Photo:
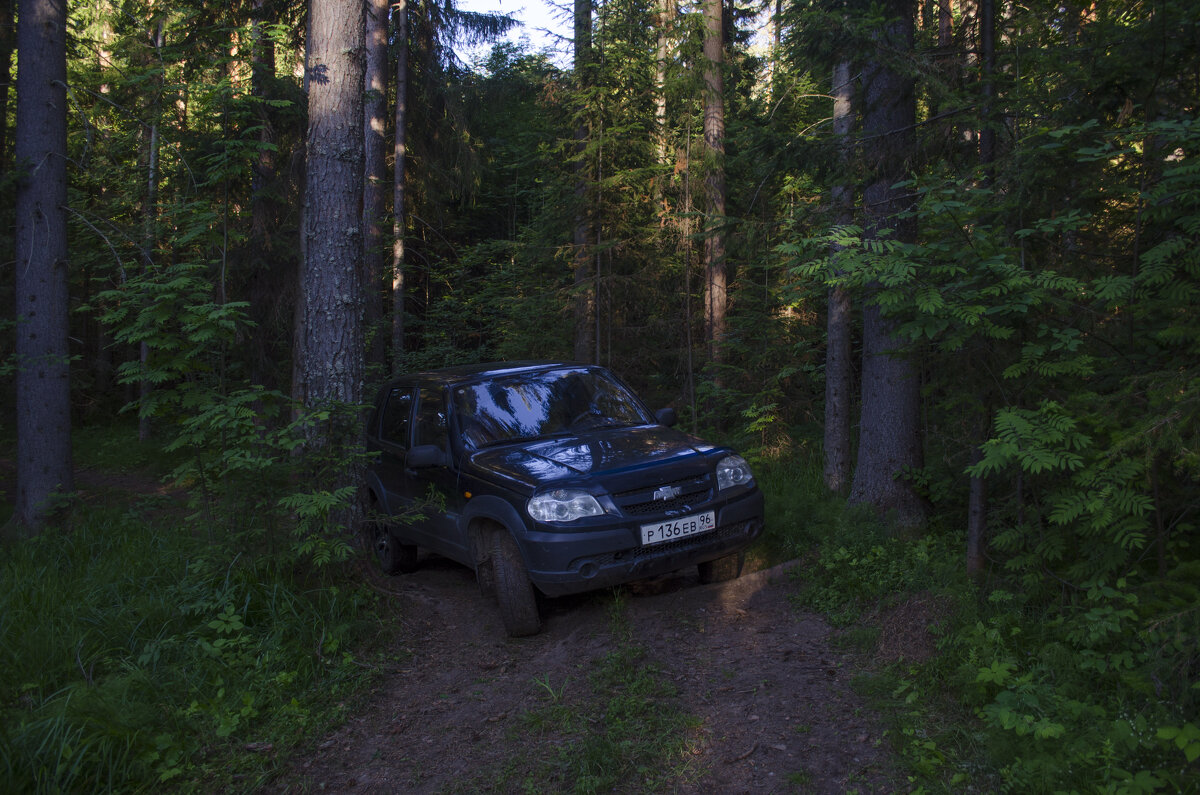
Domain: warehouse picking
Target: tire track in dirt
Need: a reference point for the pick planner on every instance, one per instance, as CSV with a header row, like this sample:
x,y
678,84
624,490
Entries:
x,y
770,697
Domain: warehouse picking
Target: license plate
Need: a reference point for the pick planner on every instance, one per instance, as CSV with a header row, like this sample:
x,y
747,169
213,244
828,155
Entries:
x,y
672,529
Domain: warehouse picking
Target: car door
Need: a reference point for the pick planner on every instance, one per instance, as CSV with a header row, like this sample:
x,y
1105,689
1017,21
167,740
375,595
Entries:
x,y
436,487
395,431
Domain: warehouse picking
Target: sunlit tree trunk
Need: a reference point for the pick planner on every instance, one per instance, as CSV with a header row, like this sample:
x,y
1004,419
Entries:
x,y
889,430
715,283
839,365
332,283
399,173
665,15
375,181
42,355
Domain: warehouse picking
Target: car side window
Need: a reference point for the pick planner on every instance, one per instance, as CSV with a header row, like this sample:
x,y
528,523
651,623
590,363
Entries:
x,y
431,419
396,413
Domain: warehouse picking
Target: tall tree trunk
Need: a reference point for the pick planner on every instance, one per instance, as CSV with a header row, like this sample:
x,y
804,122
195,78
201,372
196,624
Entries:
x,y
776,58
977,520
150,218
987,43
665,14
977,493
587,340
375,181
839,365
889,430
715,283
399,169
43,371
272,274
332,283
299,312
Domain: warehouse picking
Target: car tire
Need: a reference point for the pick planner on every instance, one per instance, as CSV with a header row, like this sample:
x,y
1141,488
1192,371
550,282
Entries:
x,y
393,556
721,569
486,577
515,595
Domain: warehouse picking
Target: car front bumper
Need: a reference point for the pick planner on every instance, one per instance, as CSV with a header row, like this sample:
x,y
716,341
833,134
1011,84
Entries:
x,y
562,563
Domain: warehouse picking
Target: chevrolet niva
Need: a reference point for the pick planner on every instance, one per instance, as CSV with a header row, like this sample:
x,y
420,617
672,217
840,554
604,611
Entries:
x,y
550,478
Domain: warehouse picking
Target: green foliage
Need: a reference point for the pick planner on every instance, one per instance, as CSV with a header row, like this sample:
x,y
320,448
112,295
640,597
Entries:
x,y
134,654
1071,697
1093,694
856,563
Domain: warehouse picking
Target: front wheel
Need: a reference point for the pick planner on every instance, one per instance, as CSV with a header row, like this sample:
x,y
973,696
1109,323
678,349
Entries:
x,y
514,592
721,569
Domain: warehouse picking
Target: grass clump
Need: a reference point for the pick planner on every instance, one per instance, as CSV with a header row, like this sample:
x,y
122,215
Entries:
x,y
142,649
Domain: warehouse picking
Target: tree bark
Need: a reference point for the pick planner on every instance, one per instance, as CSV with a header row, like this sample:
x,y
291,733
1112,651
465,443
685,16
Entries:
x,y
889,430
150,217
332,283
399,169
586,337
987,43
665,14
715,284
43,371
272,274
839,363
375,180
977,500
977,520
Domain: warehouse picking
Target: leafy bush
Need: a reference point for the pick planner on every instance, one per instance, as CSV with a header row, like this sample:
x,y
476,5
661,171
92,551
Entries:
x,y
134,653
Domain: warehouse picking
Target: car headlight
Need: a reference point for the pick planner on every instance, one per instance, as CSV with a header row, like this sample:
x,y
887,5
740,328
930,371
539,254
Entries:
x,y
733,471
563,505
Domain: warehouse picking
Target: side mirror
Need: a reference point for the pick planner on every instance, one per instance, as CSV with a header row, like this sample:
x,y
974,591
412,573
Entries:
x,y
424,456
666,416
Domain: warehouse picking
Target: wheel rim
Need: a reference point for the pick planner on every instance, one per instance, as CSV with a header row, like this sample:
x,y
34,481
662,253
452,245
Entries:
x,y
383,544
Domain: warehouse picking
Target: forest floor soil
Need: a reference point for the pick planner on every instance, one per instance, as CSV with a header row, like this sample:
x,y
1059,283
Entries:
x,y
766,693
458,707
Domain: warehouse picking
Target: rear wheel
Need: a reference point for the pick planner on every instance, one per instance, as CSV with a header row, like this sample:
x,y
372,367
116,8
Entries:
x,y
721,569
393,556
514,592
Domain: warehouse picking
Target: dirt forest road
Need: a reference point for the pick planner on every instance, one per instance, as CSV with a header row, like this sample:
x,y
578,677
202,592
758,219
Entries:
x,y
765,701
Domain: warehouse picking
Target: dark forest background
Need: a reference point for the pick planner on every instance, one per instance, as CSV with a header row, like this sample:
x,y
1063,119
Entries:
x,y
933,266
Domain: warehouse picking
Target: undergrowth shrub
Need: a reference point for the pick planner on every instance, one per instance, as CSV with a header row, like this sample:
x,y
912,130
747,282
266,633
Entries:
x,y
134,653
1093,692
1073,696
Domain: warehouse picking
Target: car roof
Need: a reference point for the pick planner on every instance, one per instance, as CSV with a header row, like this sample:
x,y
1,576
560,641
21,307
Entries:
x,y
472,372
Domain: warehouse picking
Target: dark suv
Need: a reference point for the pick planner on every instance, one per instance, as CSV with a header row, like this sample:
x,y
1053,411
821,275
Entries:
x,y
550,477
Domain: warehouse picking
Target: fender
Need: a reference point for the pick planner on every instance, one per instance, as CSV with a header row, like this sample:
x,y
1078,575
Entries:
x,y
490,508
375,488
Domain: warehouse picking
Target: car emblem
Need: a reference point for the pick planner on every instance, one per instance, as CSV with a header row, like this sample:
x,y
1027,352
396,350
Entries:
x,y
667,493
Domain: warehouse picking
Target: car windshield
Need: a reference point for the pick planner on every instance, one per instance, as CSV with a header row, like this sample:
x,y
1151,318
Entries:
x,y
533,405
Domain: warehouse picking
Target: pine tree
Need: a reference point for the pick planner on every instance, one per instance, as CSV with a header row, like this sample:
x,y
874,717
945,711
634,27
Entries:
x,y
42,355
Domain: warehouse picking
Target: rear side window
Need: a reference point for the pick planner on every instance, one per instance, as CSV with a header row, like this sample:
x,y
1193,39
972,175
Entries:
x,y
431,419
396,414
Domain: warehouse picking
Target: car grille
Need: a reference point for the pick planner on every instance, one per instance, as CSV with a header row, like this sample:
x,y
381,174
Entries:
x,y
693,491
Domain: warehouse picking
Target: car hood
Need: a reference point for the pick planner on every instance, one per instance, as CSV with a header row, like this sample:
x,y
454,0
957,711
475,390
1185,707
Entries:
x,y
591,455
